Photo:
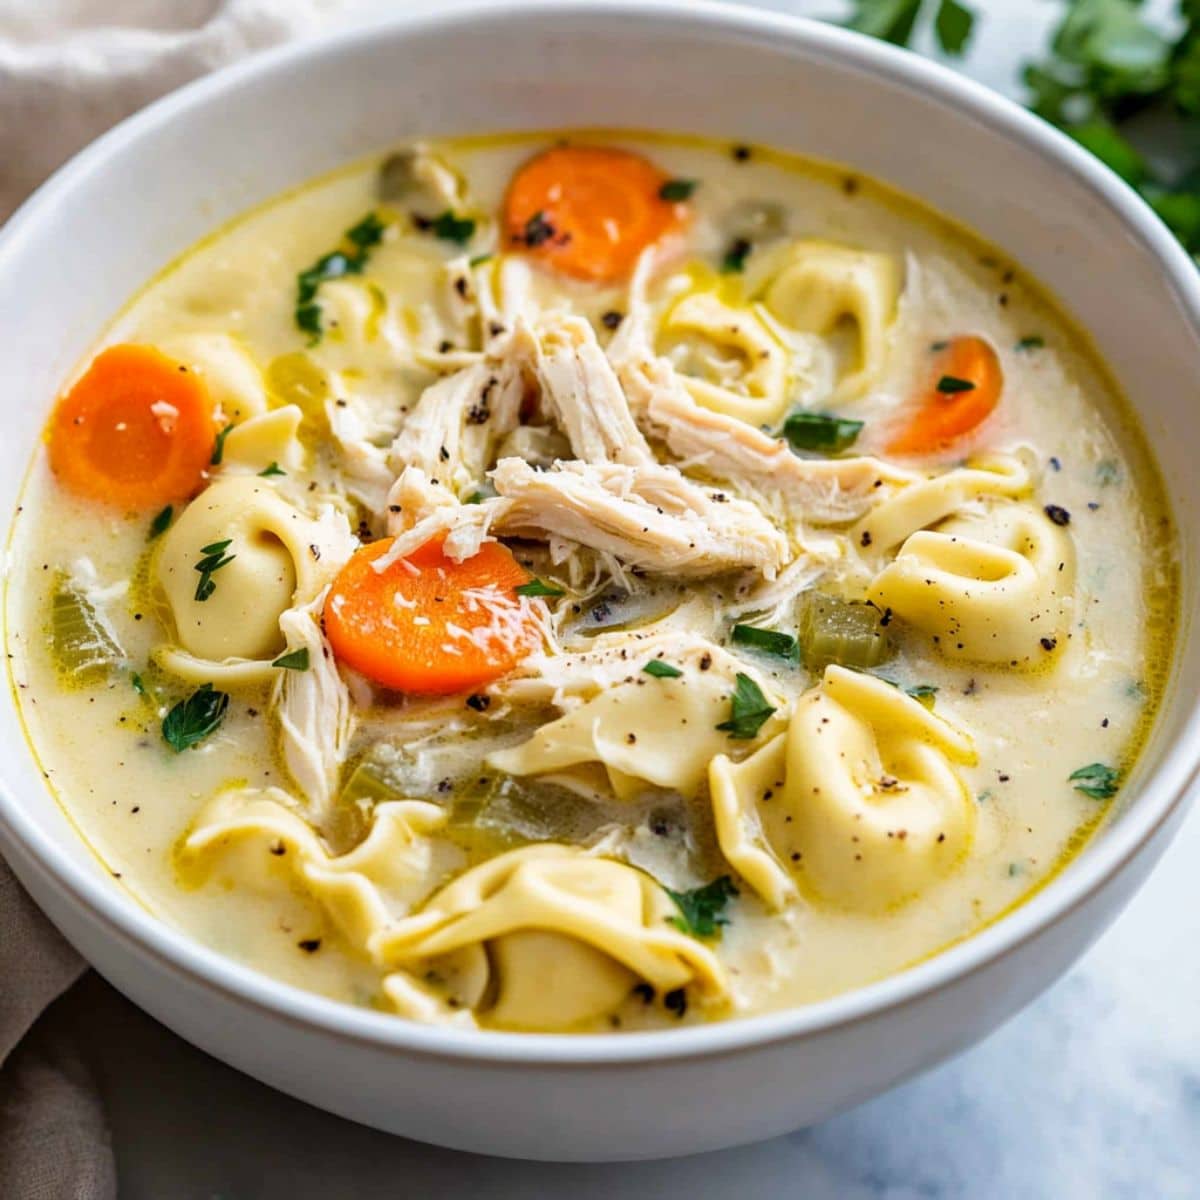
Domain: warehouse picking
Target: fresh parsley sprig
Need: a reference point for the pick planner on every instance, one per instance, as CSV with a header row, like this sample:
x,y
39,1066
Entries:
x,y
702,910
194,719
1096,780
749,710
214,559
349,259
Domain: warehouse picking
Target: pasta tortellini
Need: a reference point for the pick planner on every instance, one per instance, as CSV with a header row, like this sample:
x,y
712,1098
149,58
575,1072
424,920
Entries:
x,y
268,441
255,839
273,556
861,798
822,285
646,730
232,378
547,937
736,366
993,586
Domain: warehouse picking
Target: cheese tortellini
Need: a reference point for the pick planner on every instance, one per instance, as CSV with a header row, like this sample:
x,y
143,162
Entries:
x,y
645,730
822,285
987,587
274,556
230,375
861,798
546,937
987,576
736,364
255,839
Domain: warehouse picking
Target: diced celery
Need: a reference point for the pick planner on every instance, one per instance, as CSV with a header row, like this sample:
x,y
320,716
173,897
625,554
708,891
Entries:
x,y
84,648
844,632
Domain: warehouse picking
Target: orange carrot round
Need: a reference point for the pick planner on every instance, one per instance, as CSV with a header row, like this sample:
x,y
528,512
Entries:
x,y
428,625
136,430
588,211
964,390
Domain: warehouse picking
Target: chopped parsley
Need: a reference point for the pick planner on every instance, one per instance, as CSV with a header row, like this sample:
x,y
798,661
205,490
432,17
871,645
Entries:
x,y
769,641
535,587
749,710
1096,780
923,693
294,660
951,385
218,452
661,670
1032,342
447,227
735,257
193,719
358,241
676,190
135,682
214,559
273,469
821,431
702,910
161,523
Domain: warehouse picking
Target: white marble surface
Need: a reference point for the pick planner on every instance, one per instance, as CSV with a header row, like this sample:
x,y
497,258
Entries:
x,y
1093,1093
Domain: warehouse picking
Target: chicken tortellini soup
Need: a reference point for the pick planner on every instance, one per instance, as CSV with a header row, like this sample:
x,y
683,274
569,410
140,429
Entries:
x,y
575,583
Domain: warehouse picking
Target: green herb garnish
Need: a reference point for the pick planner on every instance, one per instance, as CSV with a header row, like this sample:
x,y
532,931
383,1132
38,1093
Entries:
x,y
478,259
218,452
702,910
661,670
214,559
1032,342
535,587
676,190
951,385
448,227
135,682
273,469
924,693
735,257
820,431
161,523
749,710
294,660
1096,780
193,719
769,641
358,242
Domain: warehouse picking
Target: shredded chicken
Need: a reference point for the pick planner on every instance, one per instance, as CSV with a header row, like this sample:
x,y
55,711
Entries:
x,y
420,509
649,517
451,433
584,395
316,718
821,491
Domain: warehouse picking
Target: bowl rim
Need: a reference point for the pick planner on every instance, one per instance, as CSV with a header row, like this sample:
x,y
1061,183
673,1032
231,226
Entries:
x,y
1156,801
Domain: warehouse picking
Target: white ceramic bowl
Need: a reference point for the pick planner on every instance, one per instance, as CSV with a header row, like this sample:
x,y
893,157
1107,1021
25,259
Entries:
x,y
130,203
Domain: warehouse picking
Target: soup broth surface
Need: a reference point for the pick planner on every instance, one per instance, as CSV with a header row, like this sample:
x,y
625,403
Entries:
x,y
865,504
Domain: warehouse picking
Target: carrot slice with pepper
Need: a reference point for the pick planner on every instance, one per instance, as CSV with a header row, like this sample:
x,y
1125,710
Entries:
x,y
966,386
589,211
428,625
136,430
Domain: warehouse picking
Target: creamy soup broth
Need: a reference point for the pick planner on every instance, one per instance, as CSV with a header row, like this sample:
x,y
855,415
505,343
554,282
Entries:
x,y
960,624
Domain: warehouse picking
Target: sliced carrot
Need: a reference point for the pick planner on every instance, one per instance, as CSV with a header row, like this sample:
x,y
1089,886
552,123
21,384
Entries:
x,y
136,430
589,211
428,625
964,389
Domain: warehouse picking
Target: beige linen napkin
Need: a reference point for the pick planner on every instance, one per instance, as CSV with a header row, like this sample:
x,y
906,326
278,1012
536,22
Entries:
x,y
68,70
